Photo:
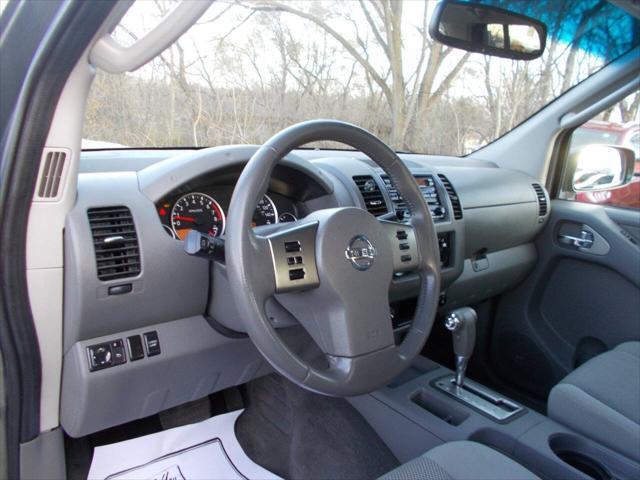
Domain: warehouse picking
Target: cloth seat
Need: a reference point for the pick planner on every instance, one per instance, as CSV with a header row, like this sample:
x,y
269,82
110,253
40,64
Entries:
x,y
601,399
460,461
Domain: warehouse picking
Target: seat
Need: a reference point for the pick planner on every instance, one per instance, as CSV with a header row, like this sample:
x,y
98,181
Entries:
x,y
601,399
460,461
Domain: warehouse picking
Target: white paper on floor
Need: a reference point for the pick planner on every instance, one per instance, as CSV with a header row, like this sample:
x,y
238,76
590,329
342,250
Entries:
x,y
204,450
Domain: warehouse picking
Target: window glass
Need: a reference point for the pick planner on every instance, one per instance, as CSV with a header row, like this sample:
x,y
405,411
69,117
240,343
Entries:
x,y
249,69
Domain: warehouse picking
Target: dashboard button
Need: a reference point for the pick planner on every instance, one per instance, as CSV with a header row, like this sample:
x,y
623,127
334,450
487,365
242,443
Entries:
x,y
120,289
136,351
118,354
152,343
100,356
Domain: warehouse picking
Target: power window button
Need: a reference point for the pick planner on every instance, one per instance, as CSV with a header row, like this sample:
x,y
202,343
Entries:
x,y
152,343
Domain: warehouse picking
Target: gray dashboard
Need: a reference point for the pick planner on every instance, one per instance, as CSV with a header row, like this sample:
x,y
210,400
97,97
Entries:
x,y
488,221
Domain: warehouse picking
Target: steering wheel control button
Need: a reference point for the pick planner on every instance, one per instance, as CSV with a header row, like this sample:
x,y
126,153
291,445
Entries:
x,y
401,235
405,258
100,356
296,274
120,289
404,246
297,260
360,252
292,246
136,350
152,343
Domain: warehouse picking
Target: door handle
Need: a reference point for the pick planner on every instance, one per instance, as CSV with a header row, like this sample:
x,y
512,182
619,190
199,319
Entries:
x,y
585,240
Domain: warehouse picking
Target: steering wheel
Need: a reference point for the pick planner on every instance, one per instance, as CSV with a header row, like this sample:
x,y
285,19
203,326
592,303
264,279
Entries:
x,y
332,270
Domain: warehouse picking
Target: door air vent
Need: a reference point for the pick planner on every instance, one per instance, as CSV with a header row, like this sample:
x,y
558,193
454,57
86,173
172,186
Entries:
x,y
371,194
51,174
115,242
453,196
542,199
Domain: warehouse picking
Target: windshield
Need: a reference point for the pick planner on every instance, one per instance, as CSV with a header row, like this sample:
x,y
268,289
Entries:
x,y
249,69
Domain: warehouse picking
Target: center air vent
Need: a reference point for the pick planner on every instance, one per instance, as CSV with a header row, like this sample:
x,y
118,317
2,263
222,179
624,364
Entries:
x,y
453,196
371,194
115,242
542,199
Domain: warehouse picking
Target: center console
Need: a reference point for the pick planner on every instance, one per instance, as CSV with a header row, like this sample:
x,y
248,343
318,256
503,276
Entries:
x,y
428,405
427,185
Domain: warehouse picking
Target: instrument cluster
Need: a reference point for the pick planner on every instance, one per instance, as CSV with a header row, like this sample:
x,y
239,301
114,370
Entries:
x,y
205,211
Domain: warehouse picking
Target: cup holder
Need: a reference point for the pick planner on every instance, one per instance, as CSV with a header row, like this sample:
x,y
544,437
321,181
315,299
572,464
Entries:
x,y
578,454
586,465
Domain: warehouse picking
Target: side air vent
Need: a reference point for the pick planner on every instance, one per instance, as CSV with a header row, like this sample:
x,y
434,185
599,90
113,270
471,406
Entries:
x,y
51,174
115,242
453,196
542,199
371,194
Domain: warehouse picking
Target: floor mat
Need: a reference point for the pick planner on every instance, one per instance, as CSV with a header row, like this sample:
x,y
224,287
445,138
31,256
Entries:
x,y
204,450
298,434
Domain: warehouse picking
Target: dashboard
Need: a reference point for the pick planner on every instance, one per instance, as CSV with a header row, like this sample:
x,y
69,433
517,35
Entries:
x,y
166,319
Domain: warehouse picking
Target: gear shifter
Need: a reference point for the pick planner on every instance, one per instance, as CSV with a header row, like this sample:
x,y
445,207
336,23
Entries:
x,y
462,325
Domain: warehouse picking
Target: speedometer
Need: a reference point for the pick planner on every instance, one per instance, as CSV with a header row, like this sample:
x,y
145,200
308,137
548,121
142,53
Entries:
x,y
265,213
197,211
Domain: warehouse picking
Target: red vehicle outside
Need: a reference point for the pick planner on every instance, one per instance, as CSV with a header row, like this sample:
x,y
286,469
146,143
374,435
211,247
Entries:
x,y
610,133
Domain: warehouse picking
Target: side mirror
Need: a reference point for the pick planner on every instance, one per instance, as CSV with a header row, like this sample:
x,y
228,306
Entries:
x,y
602,167
489,30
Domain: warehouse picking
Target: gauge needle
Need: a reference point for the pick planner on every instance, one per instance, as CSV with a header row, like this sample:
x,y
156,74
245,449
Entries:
x,y
184,219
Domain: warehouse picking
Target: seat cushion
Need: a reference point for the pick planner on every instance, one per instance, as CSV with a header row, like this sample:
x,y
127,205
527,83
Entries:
x,y
460,461
601,399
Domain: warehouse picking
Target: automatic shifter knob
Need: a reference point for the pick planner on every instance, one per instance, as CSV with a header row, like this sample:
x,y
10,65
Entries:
x,y
462,325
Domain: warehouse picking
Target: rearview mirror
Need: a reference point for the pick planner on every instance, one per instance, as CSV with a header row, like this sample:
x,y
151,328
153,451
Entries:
x,y
602,167
489,30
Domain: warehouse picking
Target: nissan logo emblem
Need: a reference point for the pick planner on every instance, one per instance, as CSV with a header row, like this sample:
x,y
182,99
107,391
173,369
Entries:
x,y
360,252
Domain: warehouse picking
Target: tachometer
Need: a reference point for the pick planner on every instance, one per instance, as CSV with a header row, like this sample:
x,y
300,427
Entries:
x,y
266,212
197,211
